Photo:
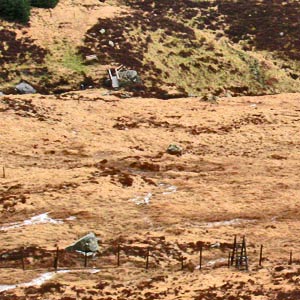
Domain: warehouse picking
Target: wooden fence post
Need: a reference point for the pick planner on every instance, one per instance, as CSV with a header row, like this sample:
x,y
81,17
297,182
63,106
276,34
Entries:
x,y
291,258
147,258
245,253
118,255
233,251
85,259
182,262
261,255
56,259
229,259
22,258
200,257
3,172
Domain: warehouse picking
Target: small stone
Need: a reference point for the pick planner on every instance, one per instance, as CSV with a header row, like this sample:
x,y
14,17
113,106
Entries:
x,y
7,204
92,57
102,31
210,98
215,245
174,149
111,43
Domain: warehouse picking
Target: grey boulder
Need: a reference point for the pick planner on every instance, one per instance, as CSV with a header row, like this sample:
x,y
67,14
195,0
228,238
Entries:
x,y
88,243
129,76
25,88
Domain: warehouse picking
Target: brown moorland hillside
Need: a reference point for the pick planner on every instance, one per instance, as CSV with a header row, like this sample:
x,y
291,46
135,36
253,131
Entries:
x,y
98,163
91,161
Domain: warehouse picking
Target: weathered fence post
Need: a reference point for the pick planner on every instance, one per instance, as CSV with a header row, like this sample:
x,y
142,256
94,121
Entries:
x,y
3,172
147,258
182,262
233,251
245,253
85,255
291,258
261,255
229,259
118,255
55,265
22,258
200,257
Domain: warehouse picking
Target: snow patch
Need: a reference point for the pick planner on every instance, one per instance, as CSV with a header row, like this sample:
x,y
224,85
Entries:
x,y
42,279
39,219
227,223
140,200
145,200
215,262
170,190
37,281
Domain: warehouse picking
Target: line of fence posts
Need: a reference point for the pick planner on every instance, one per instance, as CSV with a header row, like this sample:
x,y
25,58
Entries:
x,y
118,254
232,256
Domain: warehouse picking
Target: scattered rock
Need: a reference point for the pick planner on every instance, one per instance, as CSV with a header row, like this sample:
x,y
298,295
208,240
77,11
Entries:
x,y
278,157
88,243
91,58
174,149
25,88
7,204
125,180
215,245
278,268
111,43
102,31
210,98
130,76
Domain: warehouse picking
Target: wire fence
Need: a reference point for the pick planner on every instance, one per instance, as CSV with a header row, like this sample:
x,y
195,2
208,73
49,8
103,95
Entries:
x,y
190,256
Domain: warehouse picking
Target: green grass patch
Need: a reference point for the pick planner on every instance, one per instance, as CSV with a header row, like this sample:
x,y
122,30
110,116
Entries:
x,y
73,61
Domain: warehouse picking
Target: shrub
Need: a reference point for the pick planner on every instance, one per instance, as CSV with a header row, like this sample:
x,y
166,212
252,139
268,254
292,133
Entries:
x,y
15,10
44,3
